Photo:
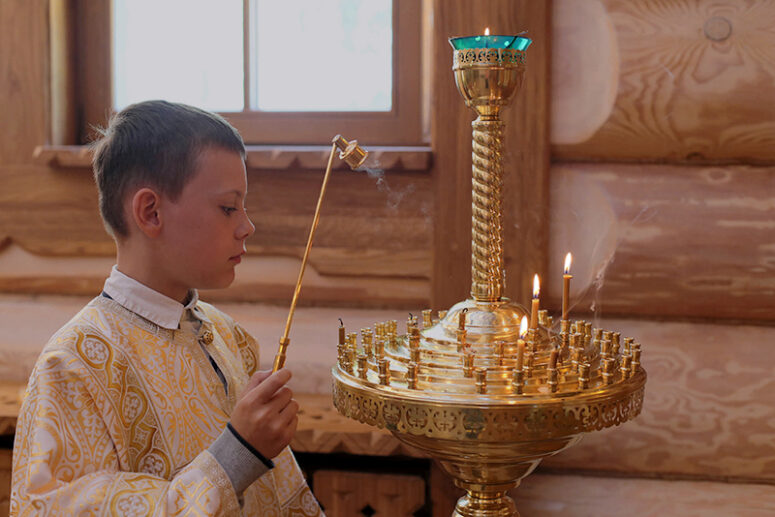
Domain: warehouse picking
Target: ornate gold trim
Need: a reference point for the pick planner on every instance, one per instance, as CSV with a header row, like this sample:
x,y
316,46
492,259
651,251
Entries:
x,y
517,421
488,57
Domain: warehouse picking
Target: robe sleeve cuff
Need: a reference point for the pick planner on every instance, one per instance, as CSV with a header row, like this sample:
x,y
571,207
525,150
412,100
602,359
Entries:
x,y
241,462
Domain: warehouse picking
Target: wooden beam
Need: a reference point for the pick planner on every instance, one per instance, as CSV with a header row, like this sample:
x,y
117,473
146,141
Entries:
x,y
24,89
94,61
665,240
669,81
526,150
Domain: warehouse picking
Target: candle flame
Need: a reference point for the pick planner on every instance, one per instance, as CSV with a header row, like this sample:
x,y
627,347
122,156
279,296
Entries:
x,y
568,260
523,327
487,31
536,286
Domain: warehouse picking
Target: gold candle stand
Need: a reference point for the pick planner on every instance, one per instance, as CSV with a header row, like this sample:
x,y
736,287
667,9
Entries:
x,y
466,390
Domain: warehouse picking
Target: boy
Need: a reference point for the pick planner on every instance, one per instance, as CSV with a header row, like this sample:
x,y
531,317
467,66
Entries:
x,y
148,401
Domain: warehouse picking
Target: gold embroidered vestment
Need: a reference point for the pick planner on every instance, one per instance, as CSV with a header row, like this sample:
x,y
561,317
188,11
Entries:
x,y
119,414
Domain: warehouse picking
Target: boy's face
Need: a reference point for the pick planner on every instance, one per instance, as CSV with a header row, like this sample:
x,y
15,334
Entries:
x,y
204,231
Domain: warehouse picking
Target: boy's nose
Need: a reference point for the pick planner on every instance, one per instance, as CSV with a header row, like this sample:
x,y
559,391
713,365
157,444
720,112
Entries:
x,y
247,228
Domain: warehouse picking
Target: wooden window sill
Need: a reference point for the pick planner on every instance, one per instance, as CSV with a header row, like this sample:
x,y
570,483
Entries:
x,y
276,157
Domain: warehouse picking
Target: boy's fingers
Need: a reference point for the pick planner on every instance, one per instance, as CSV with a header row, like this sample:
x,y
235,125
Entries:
x,y
271,384
281,397
257,378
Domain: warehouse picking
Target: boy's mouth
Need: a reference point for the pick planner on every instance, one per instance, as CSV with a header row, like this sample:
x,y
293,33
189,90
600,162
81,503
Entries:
x,y
237,258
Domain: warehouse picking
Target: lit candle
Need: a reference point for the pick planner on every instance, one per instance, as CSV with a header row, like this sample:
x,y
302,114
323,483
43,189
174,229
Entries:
x,y
523,328
341,332
520,354
487,31
521,343
566,286
534,308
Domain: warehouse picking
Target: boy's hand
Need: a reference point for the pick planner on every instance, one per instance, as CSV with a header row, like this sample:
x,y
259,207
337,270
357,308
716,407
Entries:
x,y
265,414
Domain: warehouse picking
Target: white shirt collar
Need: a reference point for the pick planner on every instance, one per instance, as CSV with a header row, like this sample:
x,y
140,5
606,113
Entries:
x,y
148,303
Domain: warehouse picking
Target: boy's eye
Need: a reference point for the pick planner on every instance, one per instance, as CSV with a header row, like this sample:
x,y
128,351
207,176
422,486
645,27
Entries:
x,y
228,210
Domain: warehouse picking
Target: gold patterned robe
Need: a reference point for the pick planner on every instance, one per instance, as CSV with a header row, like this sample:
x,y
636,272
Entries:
x,y
118,415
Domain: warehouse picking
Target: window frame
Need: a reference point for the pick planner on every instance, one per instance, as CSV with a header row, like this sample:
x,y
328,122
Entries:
x,y
402,125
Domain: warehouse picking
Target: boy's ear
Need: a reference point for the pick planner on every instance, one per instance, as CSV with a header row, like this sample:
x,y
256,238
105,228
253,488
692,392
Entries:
x,y
144,210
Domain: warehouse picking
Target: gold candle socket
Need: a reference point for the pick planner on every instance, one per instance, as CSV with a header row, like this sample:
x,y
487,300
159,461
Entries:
x,y
426,318
625,368
518,381
461,340
411,376
531,340
553,380
362,367
481,380
584,376
608,371
635,358
383,366
366,340
468,364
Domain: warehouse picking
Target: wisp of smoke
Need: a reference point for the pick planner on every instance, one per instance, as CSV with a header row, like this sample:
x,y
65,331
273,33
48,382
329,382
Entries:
x,y
394,197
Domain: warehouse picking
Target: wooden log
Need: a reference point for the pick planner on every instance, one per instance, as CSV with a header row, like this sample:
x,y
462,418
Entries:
x,y
24,89
666,241
693,81
271,157
371,227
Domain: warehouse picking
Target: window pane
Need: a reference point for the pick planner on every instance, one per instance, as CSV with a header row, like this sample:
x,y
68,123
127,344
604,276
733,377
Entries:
x,y
323,55
187,51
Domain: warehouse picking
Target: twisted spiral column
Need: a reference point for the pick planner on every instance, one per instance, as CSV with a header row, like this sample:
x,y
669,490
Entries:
x,y
487,277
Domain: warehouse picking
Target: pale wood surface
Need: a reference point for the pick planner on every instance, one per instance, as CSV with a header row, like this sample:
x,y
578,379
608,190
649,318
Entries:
x,y
670,241
526,153
694,81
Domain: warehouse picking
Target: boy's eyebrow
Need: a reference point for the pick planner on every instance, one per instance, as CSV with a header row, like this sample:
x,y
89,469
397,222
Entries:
x,y
236,192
